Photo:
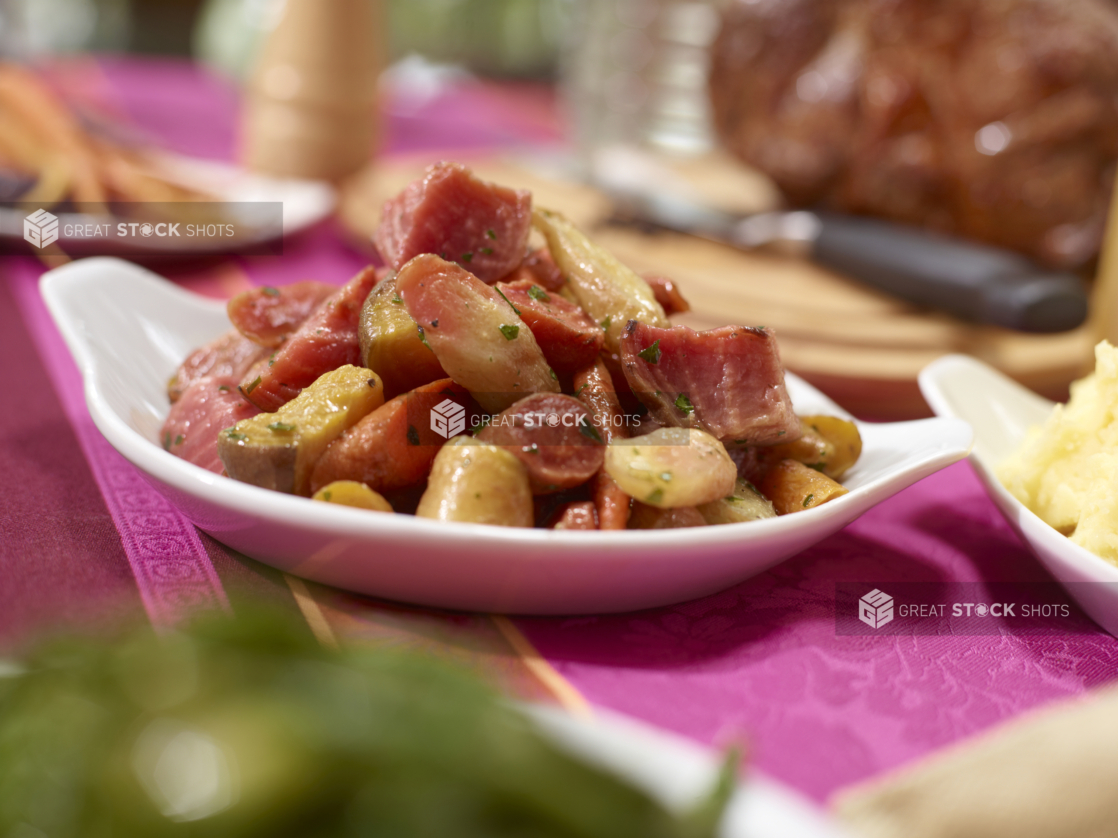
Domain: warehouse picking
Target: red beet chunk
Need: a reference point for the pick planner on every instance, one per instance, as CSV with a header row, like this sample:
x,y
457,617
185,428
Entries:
x,y
207,407
267,316
727,381
231,355
554,436
326,340
451,213
570,340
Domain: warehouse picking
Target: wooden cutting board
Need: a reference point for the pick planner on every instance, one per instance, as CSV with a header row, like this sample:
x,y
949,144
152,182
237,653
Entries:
x,y
861,347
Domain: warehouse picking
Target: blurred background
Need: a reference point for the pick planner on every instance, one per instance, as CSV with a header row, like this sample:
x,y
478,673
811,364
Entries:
x,y
618,59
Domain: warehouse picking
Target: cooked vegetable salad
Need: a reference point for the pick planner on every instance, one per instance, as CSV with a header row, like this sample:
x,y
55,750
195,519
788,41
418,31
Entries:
x,y
476,379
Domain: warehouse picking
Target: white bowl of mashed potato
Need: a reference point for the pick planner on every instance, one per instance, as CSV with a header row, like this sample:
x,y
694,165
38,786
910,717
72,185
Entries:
x,y
1051,469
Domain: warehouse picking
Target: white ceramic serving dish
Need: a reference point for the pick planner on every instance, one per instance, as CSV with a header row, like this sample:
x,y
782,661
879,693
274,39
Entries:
x,y
128,330
305,203
1001,412
678,773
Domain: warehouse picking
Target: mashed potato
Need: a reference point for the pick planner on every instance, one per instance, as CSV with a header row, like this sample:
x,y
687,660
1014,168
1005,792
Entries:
x,y
1066,471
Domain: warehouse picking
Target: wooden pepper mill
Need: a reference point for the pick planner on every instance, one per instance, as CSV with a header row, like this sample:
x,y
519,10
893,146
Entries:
x,y
311,104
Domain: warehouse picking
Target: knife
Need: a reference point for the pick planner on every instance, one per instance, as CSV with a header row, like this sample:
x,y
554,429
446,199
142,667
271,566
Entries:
x,y
972,281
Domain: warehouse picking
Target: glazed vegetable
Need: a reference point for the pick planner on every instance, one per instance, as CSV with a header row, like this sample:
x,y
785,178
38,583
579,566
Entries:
x,y
477,483
279,450
745,504
476,334
594,387
672,467
567,336
248,728
352,493
645,517
390,343
580,515
843,437
607,290
794,487
553,435
393,447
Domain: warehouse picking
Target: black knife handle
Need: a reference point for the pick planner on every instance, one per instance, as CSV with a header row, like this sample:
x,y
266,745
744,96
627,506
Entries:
x,y
971,281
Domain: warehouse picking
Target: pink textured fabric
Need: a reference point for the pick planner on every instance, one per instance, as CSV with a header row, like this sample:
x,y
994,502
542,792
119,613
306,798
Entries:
x,y
819,711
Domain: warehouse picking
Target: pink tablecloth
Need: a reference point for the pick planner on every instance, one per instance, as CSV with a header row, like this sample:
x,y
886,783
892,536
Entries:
x,y
84,541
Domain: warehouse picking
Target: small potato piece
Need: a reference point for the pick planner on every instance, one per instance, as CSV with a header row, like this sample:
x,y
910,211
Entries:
x,y
479,484
672,467
278,450
645,517
794,487
390,343
745,504
352,493
843,436
611,293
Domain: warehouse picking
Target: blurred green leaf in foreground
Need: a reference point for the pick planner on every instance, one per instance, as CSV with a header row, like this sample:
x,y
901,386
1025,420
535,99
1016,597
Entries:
x,y
247,727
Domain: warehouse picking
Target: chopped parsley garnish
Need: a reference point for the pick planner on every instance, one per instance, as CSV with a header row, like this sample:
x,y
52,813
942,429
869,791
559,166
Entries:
x,y
587,429
822,464
167,441
224,388
607,323
808,501
488,251
510,332
255,383
327,495
583,387
423,336
652,353
507,300
281,427
491,234
233,433
537,293
467,257
655,496
781,433
397,299
553,375
684,403
178,440
413,435
476,429
272,359
270,291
